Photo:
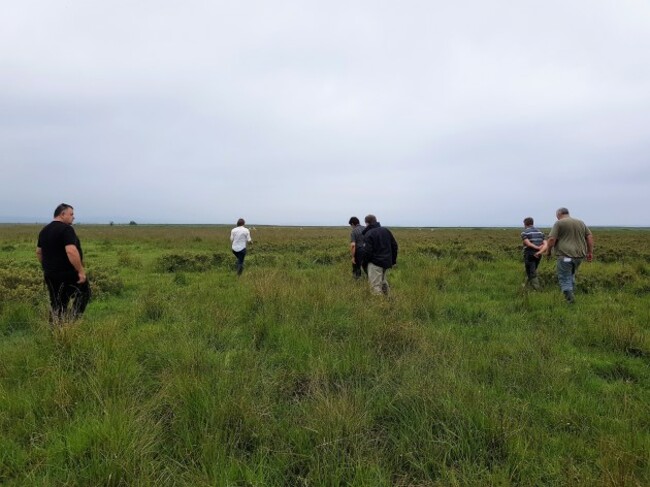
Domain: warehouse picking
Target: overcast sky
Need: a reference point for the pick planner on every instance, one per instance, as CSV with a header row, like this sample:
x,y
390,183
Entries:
x,y
425,113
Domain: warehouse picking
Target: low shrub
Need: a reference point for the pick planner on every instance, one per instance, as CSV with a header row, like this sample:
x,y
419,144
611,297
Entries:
x,y
126,259
21,284
191,262
105,282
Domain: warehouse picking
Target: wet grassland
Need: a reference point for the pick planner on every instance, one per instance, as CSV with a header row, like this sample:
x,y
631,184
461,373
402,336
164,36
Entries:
x,y
294,375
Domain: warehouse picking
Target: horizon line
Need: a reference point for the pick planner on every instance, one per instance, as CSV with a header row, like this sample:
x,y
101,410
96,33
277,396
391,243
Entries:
x,y
295,225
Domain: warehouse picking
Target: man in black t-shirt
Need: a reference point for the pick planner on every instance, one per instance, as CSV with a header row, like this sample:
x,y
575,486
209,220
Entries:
x,y
59,252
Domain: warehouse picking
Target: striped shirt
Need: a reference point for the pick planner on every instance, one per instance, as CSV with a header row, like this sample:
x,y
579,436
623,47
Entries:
x,y
534,236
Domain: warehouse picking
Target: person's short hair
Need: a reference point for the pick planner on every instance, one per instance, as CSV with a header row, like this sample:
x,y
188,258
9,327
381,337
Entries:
x,y
528,221
61,208
354,220
241,222
562,211
371,219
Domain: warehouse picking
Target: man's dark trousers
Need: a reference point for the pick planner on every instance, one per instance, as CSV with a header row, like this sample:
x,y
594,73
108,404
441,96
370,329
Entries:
x,y
62,292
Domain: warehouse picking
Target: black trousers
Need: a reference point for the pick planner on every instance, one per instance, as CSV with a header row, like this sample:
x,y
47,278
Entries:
x,y
530,263
65,294
356,268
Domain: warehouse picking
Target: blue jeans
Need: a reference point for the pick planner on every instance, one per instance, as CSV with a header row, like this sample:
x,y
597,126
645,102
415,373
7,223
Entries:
x,y
566,272
240,260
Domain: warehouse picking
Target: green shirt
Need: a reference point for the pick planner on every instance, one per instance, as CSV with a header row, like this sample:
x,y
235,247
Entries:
x,y
571,235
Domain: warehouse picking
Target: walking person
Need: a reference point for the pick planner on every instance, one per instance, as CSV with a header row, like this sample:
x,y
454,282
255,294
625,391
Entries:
x,y
240,236
571,242
532,239
61,257
379,253
356,247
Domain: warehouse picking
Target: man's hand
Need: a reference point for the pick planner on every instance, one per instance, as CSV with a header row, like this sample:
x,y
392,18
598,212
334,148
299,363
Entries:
x,y
75,260
590,257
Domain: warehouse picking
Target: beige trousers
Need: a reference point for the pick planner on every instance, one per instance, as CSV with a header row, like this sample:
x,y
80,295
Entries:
x,y
377,279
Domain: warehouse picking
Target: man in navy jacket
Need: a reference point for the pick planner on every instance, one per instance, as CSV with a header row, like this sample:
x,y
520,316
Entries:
x,y
380,254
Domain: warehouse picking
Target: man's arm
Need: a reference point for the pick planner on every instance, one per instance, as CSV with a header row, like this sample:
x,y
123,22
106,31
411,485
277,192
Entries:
x,y
546,247
531,245
75,260
590,247
353,249
39,254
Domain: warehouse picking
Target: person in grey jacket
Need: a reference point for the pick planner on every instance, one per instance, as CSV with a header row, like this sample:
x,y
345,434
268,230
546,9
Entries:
x,y
356,247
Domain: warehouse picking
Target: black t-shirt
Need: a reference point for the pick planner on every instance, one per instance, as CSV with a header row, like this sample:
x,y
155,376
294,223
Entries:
x,y
52,241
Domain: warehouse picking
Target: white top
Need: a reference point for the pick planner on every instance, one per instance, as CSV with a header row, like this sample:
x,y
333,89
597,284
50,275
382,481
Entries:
x,y
239,236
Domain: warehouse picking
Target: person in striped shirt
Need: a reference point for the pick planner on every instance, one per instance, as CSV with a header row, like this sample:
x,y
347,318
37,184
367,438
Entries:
x,y
532,239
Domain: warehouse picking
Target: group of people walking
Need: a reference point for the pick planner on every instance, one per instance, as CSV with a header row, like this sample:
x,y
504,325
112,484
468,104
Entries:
x,y
570,241
373,249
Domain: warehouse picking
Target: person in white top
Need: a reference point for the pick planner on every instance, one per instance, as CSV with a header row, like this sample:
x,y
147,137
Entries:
x,y
240,236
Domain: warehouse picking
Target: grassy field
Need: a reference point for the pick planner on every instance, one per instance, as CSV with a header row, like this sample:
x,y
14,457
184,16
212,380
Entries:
x,y
294,375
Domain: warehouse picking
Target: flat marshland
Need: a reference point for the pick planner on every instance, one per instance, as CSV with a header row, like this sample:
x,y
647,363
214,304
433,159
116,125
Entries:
x,y
294,375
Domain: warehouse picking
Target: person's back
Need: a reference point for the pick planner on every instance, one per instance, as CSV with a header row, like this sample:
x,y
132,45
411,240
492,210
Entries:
x,y
572,242
357,237
59,252
532,240
357,241
240,236
380,254
380,246
52,240
571,235
534,236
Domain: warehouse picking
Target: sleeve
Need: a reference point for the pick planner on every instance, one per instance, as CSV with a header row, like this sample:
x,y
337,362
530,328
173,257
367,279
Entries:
x,y
394,248
69,236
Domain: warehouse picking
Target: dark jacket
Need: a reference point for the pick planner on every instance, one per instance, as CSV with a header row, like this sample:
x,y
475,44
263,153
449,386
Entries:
x,y
380,246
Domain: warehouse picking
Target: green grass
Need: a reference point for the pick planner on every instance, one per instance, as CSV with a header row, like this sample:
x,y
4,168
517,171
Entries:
x,y
295,375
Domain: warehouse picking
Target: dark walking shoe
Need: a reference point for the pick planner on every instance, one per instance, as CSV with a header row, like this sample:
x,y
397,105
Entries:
x,y
569,297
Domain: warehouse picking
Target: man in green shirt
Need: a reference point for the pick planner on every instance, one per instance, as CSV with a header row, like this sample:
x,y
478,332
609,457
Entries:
x,y
571,242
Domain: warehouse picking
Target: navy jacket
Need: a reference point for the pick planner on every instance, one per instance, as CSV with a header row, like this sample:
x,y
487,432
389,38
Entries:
x,y
380,246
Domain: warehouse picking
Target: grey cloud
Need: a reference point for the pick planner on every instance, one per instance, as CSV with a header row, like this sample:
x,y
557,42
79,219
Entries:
x,y
426,113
